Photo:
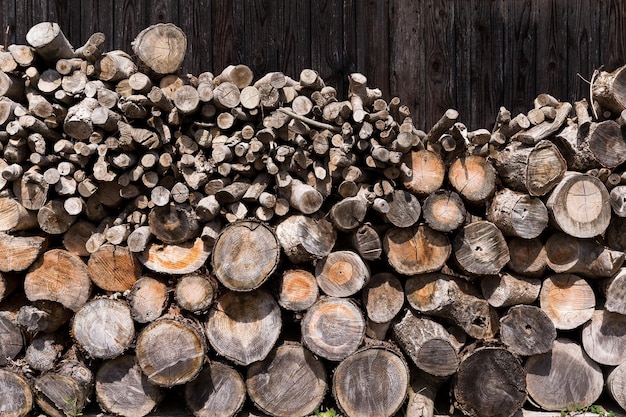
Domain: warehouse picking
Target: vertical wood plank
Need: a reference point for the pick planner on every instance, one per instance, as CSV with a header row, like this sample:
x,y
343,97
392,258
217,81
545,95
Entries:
x,y
439,59
326,43
377,45
406,57
27,14
519,56
227,33
7,20
162,11
613,33
129,18
196,22
583,44
294,36
260,36
551,63
97,16
352,42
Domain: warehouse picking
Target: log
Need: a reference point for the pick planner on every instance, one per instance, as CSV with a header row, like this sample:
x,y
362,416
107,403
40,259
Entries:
x,y
174,223
44,351
43,316
218,391
544,130
59,395
618,200
14,216
404,209
244,326
298,290
178,259
473,177
77,123
568,300
527,330
480,249
614,291
427,343
366,241
383,297
170,351
444,211
244,255
122,389
602,338
423,390
341,274
53,219
49,42
371,382
585,257
563,377
147,298
31,191
291,381
333,328
16,395
606,143
161,48
11,338
349,213
17,253
616,385
506,289
59,276
503,388
607,89
114,268
518,214
528,257
442,295
534,170
104,328
579,205
416,250
304,238
427,172
195,292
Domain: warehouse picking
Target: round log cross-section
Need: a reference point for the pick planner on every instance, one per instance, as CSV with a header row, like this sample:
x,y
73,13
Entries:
x,y
218,391
245,254
342,274
480,249
16,397
416,250
161,48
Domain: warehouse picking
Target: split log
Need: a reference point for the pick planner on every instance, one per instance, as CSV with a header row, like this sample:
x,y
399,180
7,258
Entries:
x,y
534,170
218,391
445,296
16,395
473,177
528,257
43,316
416,250
427,343
44,351
371,382
59,276
289,382
366,241
244,326
59,395
568,300
195,292
170,351
17,253
179,259
614,290
333,328
244,255
427,172
616,385
104,328
566,254
602,338
518,214
444,211
304,238
122,389
579,205
148,298
527,330
503,385
49,42
114,268
11,338
161,48
298,290
14,216
341,274
480,249
563,377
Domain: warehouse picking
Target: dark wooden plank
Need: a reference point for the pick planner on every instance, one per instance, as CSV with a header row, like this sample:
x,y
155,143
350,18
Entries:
x,y
377,45
227,34
519,56
67,14
129,18
583,36
97,16
27,14
294,34
465,36
7,20
352,42
613,53
406,57
163,11
551,63
327,43
260,35
195,20
439,59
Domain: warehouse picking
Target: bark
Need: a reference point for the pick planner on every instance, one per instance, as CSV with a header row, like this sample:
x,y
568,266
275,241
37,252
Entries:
x,y
11,338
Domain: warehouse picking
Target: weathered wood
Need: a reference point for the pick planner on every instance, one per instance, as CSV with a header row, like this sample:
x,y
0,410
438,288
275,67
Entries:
x,y
416,250
341,273
527,330
148,298
506,289
348,213
244,326
616,385
44,351
563,377
291,381
602,338
219,390
607,89
480,249
366,241
298,290
444,211
173,224
568,300
518,214
371,382
606,143
503,382
16,395
114,268
178,259
305,238
18,253
383,297
245,254
528,257
14,216
57,395
404,209
195,292
11,338
170,351
427,172
161,48
473,177
43,316
49,42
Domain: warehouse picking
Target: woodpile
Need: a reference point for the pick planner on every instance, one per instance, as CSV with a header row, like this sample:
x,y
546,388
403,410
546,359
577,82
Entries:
x,y
268,243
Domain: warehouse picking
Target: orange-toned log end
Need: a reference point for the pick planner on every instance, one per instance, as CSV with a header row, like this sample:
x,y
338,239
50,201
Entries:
x,y
428,172
177,259
19,253
474,178
568,300
114,268
416,250
298,290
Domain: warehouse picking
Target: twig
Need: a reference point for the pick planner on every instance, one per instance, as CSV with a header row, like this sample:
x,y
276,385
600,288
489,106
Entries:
x,y
311,122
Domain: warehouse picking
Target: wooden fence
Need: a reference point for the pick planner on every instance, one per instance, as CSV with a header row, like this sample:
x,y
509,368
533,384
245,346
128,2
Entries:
x,y
472,55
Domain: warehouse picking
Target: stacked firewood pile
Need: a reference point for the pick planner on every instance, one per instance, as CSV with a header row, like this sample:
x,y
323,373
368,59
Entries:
x,y
267,241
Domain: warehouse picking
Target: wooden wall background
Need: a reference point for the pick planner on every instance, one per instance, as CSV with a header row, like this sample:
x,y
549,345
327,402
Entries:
x,y
472,55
